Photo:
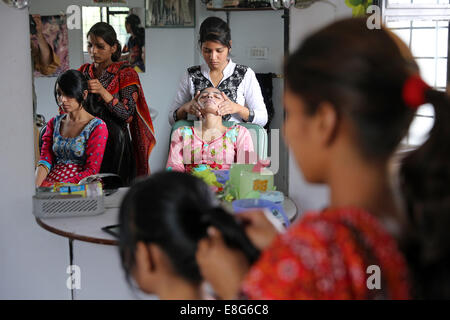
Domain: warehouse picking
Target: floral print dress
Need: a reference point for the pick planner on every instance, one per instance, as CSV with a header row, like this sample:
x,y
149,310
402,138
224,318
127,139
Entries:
x,y
333,254
69,160
188,150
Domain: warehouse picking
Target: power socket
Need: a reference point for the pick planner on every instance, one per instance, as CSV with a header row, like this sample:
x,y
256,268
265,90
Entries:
x,y
259,53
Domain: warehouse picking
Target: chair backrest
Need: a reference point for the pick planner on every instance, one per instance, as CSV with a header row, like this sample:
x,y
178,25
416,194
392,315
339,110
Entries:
x,y
114,156
259,135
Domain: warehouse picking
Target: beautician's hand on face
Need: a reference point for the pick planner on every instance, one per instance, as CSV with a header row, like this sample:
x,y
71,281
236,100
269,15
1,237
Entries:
x,y
193,106
227,106
224,268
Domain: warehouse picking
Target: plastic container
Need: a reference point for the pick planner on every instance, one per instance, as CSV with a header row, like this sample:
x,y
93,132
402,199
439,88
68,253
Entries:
x,y
243,181
274,196
53,205
276,209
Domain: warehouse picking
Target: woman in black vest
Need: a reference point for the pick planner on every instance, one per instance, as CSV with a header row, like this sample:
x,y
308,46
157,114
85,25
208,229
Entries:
x,y
243,98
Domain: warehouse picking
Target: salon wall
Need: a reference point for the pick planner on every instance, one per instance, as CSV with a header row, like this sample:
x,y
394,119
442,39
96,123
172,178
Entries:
x,y
33,262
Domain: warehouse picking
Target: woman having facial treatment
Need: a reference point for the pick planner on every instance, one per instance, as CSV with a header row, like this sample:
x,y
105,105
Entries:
x,y
74,142
211,143
244,101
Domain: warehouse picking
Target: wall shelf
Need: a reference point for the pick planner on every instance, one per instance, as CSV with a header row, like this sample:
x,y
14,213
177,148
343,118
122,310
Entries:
x,y
227,10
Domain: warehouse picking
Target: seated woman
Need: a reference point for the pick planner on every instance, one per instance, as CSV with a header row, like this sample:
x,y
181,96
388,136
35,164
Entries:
x,y
74,142
213,143
162,218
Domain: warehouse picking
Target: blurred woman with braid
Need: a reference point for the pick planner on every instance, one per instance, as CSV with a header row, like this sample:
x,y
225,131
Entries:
x,y
162,218
350,98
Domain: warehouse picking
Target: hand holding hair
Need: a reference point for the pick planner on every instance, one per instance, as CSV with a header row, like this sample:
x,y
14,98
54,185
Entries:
x,y
258,228
94,86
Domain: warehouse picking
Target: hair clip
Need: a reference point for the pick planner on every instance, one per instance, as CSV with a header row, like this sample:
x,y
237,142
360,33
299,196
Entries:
x,y
413,91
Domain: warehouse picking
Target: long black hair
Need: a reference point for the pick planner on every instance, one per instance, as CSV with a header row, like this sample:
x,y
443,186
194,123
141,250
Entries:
x,y
215,29
425,181
134,21
109,35
73,84
174,210
362,73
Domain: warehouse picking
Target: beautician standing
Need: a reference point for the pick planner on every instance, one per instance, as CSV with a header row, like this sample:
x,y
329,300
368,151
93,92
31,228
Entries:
x,y
243,98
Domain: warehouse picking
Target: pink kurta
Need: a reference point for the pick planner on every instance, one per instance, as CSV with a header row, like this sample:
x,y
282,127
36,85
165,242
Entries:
x,y
188,150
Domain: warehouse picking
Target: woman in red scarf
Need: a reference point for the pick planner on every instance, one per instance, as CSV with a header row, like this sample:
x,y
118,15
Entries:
x,y
351,95
119,100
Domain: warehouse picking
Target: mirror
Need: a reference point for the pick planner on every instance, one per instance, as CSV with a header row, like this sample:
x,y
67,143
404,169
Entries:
x,y
169,51
58,41
70,44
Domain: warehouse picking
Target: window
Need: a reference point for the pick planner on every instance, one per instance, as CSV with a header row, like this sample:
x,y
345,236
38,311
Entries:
x,y
115,16
424,26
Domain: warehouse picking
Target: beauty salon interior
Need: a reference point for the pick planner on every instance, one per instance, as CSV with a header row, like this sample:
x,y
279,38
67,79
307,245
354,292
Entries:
x,y
203,149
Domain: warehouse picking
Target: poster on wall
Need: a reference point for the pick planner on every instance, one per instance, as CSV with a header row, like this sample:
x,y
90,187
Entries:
x,y
170,13
52,30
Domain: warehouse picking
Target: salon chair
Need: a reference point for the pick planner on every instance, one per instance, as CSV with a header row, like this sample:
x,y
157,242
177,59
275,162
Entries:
x,y
259,135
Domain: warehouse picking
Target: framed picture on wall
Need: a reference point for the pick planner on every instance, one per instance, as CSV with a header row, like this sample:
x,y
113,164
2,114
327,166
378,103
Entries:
x,y
169,13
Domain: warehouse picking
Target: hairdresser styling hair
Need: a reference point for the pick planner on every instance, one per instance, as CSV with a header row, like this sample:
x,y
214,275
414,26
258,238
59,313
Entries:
x,y
119,100
162,219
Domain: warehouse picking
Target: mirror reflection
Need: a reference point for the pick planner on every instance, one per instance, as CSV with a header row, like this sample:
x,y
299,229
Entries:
x,y
92,118
114,35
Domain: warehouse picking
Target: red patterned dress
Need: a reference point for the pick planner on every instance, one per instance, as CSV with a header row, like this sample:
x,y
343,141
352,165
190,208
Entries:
x,y
128,108
71,159
326,256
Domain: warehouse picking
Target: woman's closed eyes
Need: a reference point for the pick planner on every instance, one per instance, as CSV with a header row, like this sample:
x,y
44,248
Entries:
x,y
212,95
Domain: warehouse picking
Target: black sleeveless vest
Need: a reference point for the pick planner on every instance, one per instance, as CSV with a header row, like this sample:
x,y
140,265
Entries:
x,y
229,86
